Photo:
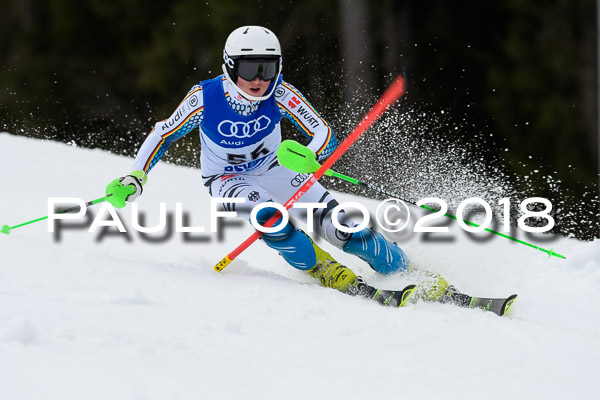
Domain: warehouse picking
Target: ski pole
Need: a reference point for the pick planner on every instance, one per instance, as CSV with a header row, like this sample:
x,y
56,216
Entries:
x,y
293,156
393,93
550,252
6,229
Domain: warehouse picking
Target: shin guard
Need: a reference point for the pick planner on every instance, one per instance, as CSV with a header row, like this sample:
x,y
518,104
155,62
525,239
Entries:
x,y
382,255
293,244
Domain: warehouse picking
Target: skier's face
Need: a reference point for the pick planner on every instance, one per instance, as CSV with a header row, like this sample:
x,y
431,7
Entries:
x,y
256,87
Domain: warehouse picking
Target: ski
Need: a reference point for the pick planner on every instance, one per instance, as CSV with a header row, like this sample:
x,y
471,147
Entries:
x,y
498,306
389,298
395,298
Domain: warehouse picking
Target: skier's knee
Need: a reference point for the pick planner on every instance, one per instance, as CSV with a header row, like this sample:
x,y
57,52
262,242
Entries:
x,y
382,255
263,215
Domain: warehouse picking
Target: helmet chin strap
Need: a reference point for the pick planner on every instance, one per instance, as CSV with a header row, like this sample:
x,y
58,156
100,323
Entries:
x,y
249,96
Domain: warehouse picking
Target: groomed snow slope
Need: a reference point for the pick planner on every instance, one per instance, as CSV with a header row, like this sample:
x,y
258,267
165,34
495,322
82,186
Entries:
x,y
91,317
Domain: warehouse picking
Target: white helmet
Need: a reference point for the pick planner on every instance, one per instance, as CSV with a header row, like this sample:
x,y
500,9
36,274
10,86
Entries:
x,y
250,52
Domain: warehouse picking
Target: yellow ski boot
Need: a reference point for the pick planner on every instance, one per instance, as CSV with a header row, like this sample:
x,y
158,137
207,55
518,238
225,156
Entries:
x,y
331,273
334,275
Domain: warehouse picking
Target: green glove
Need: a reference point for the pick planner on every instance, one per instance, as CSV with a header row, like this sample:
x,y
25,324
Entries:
x,y
297,157
127,188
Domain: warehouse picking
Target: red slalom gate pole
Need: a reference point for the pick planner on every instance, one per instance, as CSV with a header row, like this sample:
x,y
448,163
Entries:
x,y
393,93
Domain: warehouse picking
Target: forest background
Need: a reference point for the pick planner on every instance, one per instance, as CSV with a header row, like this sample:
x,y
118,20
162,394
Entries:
x,y
515,79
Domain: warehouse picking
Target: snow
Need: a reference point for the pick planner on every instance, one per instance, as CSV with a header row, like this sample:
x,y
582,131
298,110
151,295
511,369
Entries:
x,y
103,317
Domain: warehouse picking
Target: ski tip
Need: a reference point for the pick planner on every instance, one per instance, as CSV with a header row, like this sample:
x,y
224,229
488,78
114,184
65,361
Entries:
x,y
407,292
508,303
5,229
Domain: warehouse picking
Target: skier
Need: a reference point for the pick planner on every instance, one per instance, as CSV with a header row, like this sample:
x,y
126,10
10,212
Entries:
x,y
238,114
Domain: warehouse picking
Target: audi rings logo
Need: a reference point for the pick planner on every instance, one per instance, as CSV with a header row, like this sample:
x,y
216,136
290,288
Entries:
x,y
242,130
299,179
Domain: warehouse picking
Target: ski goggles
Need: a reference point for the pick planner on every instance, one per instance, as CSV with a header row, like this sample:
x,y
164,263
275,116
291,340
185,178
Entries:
x,y
250,69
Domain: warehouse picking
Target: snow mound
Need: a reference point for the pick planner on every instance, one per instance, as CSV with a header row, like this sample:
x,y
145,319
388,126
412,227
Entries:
x,y
90,316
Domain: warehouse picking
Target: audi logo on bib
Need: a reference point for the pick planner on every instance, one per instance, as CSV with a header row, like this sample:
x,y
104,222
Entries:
x,y
298,180
244,129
